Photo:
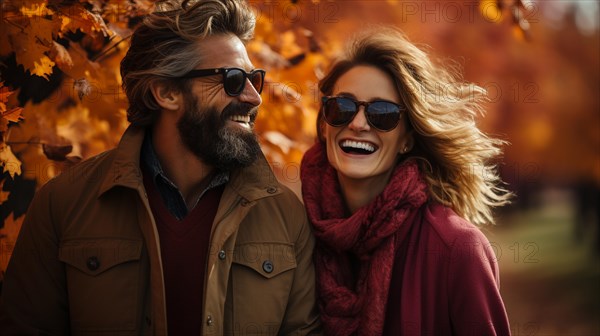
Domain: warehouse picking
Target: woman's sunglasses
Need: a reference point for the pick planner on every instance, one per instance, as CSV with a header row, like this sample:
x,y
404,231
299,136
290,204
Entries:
x,y
234,79
381,114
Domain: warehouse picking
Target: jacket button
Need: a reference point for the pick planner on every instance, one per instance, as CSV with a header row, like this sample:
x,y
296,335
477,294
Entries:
x,y
222,255
209,320
268,266
93,263
271,190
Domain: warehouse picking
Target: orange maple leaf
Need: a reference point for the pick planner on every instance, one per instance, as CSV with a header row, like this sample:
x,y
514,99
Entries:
x,y
31,54
13,115
80,18
5,92
6,115
8,237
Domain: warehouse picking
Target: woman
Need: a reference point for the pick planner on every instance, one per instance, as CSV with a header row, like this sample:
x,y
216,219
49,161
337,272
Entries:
x,y
398,175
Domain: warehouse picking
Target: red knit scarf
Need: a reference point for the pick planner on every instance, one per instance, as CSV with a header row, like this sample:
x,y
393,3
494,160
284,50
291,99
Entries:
x,y
353,299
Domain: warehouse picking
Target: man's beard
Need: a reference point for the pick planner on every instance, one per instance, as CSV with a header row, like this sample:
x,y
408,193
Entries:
x,y
206,134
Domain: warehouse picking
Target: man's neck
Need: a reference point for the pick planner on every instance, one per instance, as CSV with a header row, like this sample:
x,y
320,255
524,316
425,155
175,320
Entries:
x,y
181,166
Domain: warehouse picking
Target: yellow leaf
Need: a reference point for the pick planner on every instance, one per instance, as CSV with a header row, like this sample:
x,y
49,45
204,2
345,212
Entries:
x,y
8,237
43,68
11,164
36,10
33,42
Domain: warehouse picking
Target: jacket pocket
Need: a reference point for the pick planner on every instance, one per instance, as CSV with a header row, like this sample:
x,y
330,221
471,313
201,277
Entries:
x,y
267,259
262,272
103,283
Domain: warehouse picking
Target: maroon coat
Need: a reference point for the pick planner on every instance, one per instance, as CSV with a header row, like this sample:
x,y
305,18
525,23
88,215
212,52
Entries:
x,y
445,280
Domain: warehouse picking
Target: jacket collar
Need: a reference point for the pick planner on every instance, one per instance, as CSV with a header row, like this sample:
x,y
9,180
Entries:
x,y
124,170
251,183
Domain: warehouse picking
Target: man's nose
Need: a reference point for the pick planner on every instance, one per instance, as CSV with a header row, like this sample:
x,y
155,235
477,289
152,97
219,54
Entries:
x,y
250,95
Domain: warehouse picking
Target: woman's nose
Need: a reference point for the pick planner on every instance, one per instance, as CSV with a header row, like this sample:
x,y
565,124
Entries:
x,y
359,122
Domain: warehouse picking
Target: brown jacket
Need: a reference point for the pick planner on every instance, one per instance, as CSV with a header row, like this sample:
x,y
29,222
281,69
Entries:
x,y
88,261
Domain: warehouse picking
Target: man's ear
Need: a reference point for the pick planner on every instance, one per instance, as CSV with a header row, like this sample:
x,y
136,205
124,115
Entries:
x,y
167,98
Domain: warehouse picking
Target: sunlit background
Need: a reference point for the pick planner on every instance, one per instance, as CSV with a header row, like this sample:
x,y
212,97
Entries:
x,y
539,61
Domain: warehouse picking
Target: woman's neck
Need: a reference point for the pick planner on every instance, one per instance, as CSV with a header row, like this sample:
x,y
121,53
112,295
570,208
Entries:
x,y
360,192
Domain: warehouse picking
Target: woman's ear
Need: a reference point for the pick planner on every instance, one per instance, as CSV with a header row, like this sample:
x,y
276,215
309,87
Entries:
x,y
408,142
167,98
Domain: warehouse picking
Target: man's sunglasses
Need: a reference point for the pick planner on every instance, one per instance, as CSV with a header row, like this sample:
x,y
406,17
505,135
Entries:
x,y
234,79
381,114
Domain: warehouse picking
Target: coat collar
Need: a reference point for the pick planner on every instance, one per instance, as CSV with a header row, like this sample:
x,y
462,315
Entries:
x,y
251,183
124,170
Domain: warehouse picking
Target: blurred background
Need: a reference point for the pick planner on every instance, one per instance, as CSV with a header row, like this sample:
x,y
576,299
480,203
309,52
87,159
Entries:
x,y
61,102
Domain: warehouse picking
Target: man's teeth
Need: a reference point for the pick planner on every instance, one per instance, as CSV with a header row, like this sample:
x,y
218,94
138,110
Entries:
x,y
358,145
240,118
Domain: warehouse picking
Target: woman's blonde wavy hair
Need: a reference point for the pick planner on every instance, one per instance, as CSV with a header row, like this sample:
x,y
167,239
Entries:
x,y
457,158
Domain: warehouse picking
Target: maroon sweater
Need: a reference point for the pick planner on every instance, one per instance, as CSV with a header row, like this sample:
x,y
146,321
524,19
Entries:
x,y
184,249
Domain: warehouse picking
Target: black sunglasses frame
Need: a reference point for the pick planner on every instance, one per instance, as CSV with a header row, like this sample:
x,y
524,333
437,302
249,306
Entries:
x,y
225,71
357,105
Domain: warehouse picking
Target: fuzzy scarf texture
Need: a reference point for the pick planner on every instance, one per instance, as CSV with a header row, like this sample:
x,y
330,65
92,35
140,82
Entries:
x,y
354,255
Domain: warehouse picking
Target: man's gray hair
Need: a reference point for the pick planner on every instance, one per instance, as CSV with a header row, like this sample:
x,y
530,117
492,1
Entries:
x,y
164,47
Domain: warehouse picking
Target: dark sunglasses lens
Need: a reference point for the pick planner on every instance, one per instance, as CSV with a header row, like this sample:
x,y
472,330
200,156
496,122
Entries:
x,y
234,82
257,79
339,111
383,115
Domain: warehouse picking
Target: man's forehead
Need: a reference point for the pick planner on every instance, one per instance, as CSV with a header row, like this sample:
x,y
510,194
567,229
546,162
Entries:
x,y
222,51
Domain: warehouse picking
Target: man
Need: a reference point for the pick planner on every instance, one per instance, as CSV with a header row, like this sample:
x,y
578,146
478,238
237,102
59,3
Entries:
x,y
182,229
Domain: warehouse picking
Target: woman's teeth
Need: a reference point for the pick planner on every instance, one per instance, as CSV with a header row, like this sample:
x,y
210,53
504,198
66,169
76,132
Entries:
x,y
357,146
